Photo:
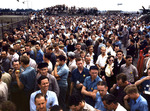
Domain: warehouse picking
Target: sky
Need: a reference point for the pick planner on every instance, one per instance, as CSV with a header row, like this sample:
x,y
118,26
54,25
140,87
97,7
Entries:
x,y
127,5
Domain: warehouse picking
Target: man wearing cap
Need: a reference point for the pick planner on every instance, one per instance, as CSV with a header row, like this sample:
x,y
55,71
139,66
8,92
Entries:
x,y
89,88
43,70
72,63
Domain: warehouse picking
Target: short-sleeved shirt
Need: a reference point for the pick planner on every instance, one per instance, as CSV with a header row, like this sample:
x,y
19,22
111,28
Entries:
x,y
101,61
63,72
77,76
139,105
27,78
90,86
99,103
50,96
130,71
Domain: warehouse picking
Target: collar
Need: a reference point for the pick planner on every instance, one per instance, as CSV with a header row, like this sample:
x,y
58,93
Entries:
x,y
46,93
62,65
94,79
138,99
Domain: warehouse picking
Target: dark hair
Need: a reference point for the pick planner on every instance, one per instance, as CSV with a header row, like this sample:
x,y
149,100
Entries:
x,y
55,45
109,58
102,83
78,44
121,76
50,47
109,98
39,95
24,59
26,53
109,41
15,61
100,40
93,68
78,59
56,108
7,106
41,78
47,55
120,51
27,45
132,41
61,57
128,56
37,43
75,99
12,50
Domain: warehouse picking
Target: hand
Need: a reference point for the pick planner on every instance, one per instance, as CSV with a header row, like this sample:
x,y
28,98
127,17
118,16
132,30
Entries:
x,y
79,85
126,97
147,78
57,64
103,78
17,73
114,86
93,95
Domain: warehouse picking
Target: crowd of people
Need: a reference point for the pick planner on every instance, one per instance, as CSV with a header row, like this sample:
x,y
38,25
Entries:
x,y
63,9
76,63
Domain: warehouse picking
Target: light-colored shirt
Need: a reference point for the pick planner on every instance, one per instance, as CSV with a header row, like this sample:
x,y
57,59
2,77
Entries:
x,y
120,108
101,61
32,63
88,107
140,104
130,71
6,78
72,65
63,72
99,103
3,92
50,96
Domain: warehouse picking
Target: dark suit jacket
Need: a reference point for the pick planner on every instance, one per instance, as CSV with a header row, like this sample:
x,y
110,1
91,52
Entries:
x,y
117,66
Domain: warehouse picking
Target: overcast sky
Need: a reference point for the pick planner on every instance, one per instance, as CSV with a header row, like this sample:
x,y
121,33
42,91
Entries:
x,y
127,5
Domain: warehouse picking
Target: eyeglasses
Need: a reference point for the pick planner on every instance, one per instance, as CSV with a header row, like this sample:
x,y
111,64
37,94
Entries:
x,y
111,60
21,50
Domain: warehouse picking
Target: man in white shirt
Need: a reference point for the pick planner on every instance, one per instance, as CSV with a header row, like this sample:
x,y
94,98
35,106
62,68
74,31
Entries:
x,y
110,103
101,61
3,90
72,62
77,103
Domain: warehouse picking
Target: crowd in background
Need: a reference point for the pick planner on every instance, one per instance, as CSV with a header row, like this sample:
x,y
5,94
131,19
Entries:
x,y
76,63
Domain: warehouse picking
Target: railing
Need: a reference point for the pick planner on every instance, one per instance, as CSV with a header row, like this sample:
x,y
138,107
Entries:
x,y
11,23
